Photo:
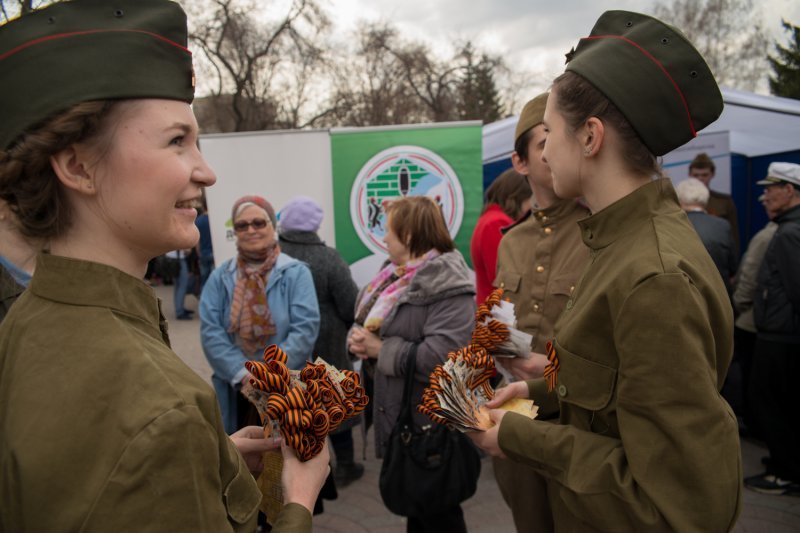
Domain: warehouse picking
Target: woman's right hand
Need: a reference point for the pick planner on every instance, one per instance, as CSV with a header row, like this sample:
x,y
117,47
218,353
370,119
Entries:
x,y
303,481
518,389
356,336
525,367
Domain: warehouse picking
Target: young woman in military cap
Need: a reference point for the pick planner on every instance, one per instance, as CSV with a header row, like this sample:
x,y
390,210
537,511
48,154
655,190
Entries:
x,y
645,441
102,427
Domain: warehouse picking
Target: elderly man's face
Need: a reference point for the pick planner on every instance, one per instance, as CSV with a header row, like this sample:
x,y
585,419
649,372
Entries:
x,y
778,198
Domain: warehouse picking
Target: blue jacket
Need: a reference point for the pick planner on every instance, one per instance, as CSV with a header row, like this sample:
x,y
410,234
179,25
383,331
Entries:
x,y
292,301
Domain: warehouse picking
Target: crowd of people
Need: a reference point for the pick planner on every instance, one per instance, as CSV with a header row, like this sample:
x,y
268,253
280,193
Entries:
x,y
631,289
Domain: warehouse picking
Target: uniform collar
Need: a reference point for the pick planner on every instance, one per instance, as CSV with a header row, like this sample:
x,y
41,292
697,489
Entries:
x,y
77,282
628,213
557,210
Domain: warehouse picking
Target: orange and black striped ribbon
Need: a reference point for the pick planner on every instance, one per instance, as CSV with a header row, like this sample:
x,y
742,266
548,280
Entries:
x,y
551,370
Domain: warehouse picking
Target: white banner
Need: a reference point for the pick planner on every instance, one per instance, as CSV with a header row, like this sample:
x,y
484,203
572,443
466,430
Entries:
x,y
276,165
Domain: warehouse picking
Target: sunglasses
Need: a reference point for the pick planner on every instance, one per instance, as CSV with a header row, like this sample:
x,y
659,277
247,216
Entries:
x,y
243,225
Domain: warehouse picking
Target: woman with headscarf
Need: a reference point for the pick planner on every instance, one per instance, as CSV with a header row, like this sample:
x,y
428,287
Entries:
x,y
102,426
645,441
259,297
423,296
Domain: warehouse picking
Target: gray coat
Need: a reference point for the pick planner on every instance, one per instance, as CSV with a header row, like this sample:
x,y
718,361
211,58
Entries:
x,y
336,293
715,233
438,311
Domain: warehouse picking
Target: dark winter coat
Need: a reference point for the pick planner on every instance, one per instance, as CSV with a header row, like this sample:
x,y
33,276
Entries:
x,y
336,292
777,300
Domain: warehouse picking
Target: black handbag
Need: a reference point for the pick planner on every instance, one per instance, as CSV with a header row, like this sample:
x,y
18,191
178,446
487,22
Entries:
x,y
426,470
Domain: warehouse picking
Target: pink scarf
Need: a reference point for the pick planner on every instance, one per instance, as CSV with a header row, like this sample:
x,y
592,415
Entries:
x,y
383,292
250,317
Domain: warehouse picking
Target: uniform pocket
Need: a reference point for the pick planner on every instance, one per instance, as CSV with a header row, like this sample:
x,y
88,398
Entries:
x,y
562,286
584,383
508,281
242,496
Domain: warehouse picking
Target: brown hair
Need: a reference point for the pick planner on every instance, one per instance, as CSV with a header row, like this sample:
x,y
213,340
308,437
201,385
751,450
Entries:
x,y
702,161
27,180
521,144
578,100
509,190
418,222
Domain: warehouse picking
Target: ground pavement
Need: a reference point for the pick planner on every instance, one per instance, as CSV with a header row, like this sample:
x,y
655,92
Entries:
x,y
359,508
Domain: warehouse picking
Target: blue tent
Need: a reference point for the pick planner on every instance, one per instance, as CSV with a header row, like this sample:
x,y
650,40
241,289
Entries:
x,y
761,129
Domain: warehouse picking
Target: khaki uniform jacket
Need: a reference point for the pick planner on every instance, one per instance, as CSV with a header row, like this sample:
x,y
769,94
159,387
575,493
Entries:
x,y
538,265
102,426
645,441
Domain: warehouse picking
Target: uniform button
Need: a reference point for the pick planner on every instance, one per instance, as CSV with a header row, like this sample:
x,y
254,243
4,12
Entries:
x,y
548,231
562,390
535,307
381,409
571,288
544,218
569,304
540,269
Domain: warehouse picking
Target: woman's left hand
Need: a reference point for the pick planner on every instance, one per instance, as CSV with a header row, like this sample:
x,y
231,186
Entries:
x,y
488,440
251,443
365,344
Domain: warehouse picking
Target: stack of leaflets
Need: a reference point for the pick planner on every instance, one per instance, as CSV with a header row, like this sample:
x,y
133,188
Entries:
x,y
459,389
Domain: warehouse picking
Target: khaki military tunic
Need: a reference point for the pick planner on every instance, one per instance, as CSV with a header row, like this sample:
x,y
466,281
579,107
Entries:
x,y
645,441
539,263
102,427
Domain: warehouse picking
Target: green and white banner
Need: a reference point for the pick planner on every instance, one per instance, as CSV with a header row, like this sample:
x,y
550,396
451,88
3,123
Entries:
x,y
373,165
351,173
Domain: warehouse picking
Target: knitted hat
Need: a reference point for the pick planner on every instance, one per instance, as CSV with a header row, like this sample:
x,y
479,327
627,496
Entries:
x,y
301,214
255,200
532,115
782,173
73,52
652,74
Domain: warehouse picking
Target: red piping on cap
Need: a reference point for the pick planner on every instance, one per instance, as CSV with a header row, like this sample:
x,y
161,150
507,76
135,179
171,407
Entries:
x,y
87,32
664,70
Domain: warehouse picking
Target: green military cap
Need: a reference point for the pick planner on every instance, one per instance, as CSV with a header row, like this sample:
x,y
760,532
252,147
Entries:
x,y
532,115
652,74
72,52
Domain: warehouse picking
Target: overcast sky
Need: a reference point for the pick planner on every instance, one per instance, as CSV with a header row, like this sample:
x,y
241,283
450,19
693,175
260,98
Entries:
x,y
531,34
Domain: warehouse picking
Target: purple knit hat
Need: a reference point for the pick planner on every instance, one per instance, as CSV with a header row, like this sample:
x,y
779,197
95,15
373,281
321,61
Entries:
x,y
255,200
302,213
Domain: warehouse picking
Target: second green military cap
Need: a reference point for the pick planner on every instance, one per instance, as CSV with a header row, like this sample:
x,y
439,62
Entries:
x,y
652,74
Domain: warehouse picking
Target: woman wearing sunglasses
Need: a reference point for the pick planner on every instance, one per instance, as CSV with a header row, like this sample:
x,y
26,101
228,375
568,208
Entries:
x,y
259,297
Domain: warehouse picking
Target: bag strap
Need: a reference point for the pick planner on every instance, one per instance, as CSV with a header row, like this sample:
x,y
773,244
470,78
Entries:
x,y
405,416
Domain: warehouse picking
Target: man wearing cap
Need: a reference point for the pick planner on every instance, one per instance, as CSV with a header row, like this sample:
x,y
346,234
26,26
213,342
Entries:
x,y
540,260
744,331
776,365
719,204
